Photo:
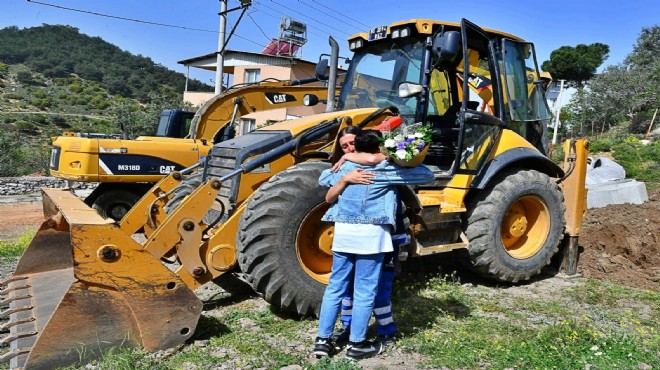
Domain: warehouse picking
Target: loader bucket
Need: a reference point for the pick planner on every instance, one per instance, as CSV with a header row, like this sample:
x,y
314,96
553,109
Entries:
x,y
83,286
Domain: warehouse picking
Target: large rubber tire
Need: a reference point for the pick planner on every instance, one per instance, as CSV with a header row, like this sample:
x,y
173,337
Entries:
x,y
115,203
185,188
515,227
283,246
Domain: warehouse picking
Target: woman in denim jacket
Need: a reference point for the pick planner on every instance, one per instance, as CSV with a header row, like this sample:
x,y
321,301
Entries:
x,y
364,215
385,325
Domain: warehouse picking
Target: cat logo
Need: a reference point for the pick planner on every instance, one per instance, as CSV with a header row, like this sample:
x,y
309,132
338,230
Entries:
x,y
166,169
279,98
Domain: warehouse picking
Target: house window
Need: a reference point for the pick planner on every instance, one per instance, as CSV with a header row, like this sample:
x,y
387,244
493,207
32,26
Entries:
x,y
251,75
247,125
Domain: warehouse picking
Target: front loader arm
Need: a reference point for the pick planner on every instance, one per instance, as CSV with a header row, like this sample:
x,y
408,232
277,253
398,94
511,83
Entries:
x,y
220,110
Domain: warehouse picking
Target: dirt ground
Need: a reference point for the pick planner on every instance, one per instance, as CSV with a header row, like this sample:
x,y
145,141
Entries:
x,y
618,242
15,218
622,243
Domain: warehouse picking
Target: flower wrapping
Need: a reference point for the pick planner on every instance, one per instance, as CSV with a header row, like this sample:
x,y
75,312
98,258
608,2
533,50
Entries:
x,y
407,143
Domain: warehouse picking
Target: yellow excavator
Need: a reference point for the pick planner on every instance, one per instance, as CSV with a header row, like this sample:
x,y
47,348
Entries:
x,y
126,169
86,283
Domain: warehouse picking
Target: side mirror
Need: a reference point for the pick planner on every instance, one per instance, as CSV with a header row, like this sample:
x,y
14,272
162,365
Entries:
x,y
447,47
322,70
310,100
409,89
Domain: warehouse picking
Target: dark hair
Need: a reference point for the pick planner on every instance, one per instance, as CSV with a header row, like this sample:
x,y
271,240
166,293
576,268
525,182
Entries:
x,y
338,153
368,141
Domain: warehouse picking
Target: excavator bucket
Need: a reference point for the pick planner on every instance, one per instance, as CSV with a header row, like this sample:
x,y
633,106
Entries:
x,y
83,286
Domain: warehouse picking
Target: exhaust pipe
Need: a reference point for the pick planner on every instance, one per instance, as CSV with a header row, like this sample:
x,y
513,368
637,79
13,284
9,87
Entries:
x,y
332,80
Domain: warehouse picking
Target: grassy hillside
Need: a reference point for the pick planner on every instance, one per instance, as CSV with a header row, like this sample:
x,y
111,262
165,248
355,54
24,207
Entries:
x,y
59,51
54,79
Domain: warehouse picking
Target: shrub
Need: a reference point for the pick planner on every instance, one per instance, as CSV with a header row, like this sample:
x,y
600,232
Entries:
x,y
76,87
39,118
100,102
651,152
24,125
9,118
641,162
557,154
14,96
59,121
4,70
601,145
41,103
40,94
24,76
11,155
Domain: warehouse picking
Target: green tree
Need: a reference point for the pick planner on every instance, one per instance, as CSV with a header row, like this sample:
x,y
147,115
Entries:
x,y
623,93
576,64
125,114
647,47
24,76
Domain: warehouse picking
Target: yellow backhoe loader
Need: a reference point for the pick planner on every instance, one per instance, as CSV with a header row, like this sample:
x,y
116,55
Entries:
x,y
126,169
255,204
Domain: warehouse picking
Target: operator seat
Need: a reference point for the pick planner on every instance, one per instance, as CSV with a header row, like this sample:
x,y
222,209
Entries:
x,y
444,139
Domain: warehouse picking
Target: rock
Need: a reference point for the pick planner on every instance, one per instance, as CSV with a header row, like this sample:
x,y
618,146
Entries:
x,y
220,353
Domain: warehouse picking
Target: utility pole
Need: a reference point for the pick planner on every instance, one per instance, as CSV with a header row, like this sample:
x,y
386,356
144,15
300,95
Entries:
x,y
648,132
554,134
221,47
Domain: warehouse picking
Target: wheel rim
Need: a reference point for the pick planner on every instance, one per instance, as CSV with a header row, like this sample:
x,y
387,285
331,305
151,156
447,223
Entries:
x,y
118,210
525,227
313,245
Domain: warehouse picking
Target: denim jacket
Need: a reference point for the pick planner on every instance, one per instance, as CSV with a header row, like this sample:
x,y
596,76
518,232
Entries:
x,y
374,203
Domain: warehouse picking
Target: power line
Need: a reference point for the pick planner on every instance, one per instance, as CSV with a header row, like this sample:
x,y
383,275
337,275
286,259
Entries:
x,y
122,18
279,18
353,19
325,33
259,27
329,15
138,20
312,18
152,23
297,12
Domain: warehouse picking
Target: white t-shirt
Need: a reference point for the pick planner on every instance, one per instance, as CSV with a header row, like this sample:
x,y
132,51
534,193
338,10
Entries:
x,y
362,238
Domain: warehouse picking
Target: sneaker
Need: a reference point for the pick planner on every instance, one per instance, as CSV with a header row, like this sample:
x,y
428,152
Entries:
x,y
323,347
362,350
341,335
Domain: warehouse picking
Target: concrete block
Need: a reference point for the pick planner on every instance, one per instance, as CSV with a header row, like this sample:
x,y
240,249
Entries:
x,y
616,192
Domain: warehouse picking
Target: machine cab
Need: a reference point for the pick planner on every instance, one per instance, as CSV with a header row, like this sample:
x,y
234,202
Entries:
x,y
446,73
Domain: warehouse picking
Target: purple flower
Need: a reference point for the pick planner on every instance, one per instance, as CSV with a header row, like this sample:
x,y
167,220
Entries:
x,y
421,145
410,140
401,146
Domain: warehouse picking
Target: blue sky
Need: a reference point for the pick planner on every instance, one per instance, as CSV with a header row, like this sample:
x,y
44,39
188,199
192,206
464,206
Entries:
x,y
559,23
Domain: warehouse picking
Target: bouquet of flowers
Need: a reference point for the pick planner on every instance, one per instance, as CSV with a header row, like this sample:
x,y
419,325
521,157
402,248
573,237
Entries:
x,y
407,146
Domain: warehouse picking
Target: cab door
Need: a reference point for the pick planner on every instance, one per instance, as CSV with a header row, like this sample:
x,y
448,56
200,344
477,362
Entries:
x,y
525,104
481,116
